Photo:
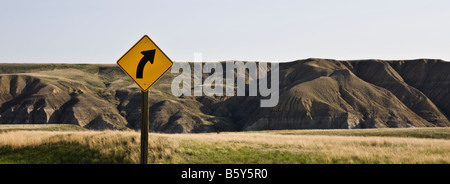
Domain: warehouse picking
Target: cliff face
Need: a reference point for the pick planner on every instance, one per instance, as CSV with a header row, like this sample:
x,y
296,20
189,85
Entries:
x,y
314,93
28,99
358,94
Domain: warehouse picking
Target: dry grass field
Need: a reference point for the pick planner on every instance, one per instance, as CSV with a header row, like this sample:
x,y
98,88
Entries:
x,y
47,144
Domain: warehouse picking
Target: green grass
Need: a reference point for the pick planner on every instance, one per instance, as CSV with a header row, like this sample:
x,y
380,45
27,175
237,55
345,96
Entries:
x,y
197,152
203,153
41,127
25,144
57,153
433,133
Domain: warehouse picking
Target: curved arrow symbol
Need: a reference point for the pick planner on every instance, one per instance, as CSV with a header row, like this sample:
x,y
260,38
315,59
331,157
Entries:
x,y
149,55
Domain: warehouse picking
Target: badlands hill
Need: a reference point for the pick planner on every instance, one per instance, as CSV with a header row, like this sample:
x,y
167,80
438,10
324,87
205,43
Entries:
x,y
314,93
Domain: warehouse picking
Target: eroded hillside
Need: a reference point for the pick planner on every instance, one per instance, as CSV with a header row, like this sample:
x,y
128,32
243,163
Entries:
x,y
314,93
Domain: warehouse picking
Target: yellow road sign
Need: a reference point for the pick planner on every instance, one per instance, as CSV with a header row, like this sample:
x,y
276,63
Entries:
x,y
145,63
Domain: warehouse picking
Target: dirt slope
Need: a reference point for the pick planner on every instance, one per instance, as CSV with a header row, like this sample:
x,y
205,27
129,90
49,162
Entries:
x,y
314,93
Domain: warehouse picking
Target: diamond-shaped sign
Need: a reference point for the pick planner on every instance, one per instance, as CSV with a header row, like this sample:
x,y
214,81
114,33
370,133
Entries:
x,y
145,63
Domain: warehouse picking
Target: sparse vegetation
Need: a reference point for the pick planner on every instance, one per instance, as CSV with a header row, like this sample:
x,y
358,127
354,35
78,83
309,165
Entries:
x,y
435,133
40,144
44,127
70,88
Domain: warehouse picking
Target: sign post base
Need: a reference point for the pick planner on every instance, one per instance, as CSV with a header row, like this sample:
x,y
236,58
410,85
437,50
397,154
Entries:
x,y
144,128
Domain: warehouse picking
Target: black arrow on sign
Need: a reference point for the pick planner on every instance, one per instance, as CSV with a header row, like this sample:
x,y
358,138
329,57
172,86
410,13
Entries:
x,y
149,55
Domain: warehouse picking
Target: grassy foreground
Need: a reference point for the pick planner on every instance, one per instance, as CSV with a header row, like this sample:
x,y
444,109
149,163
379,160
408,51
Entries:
x,y
40,144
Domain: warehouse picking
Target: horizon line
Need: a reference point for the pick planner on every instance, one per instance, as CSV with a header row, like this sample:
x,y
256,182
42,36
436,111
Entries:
x,y
184,61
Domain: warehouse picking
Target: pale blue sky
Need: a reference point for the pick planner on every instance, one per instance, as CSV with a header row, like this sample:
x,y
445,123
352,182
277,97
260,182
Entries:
x,y
90,31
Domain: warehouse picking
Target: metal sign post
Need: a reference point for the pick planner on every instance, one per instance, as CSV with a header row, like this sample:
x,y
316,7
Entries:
x,y
135,64
144,128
